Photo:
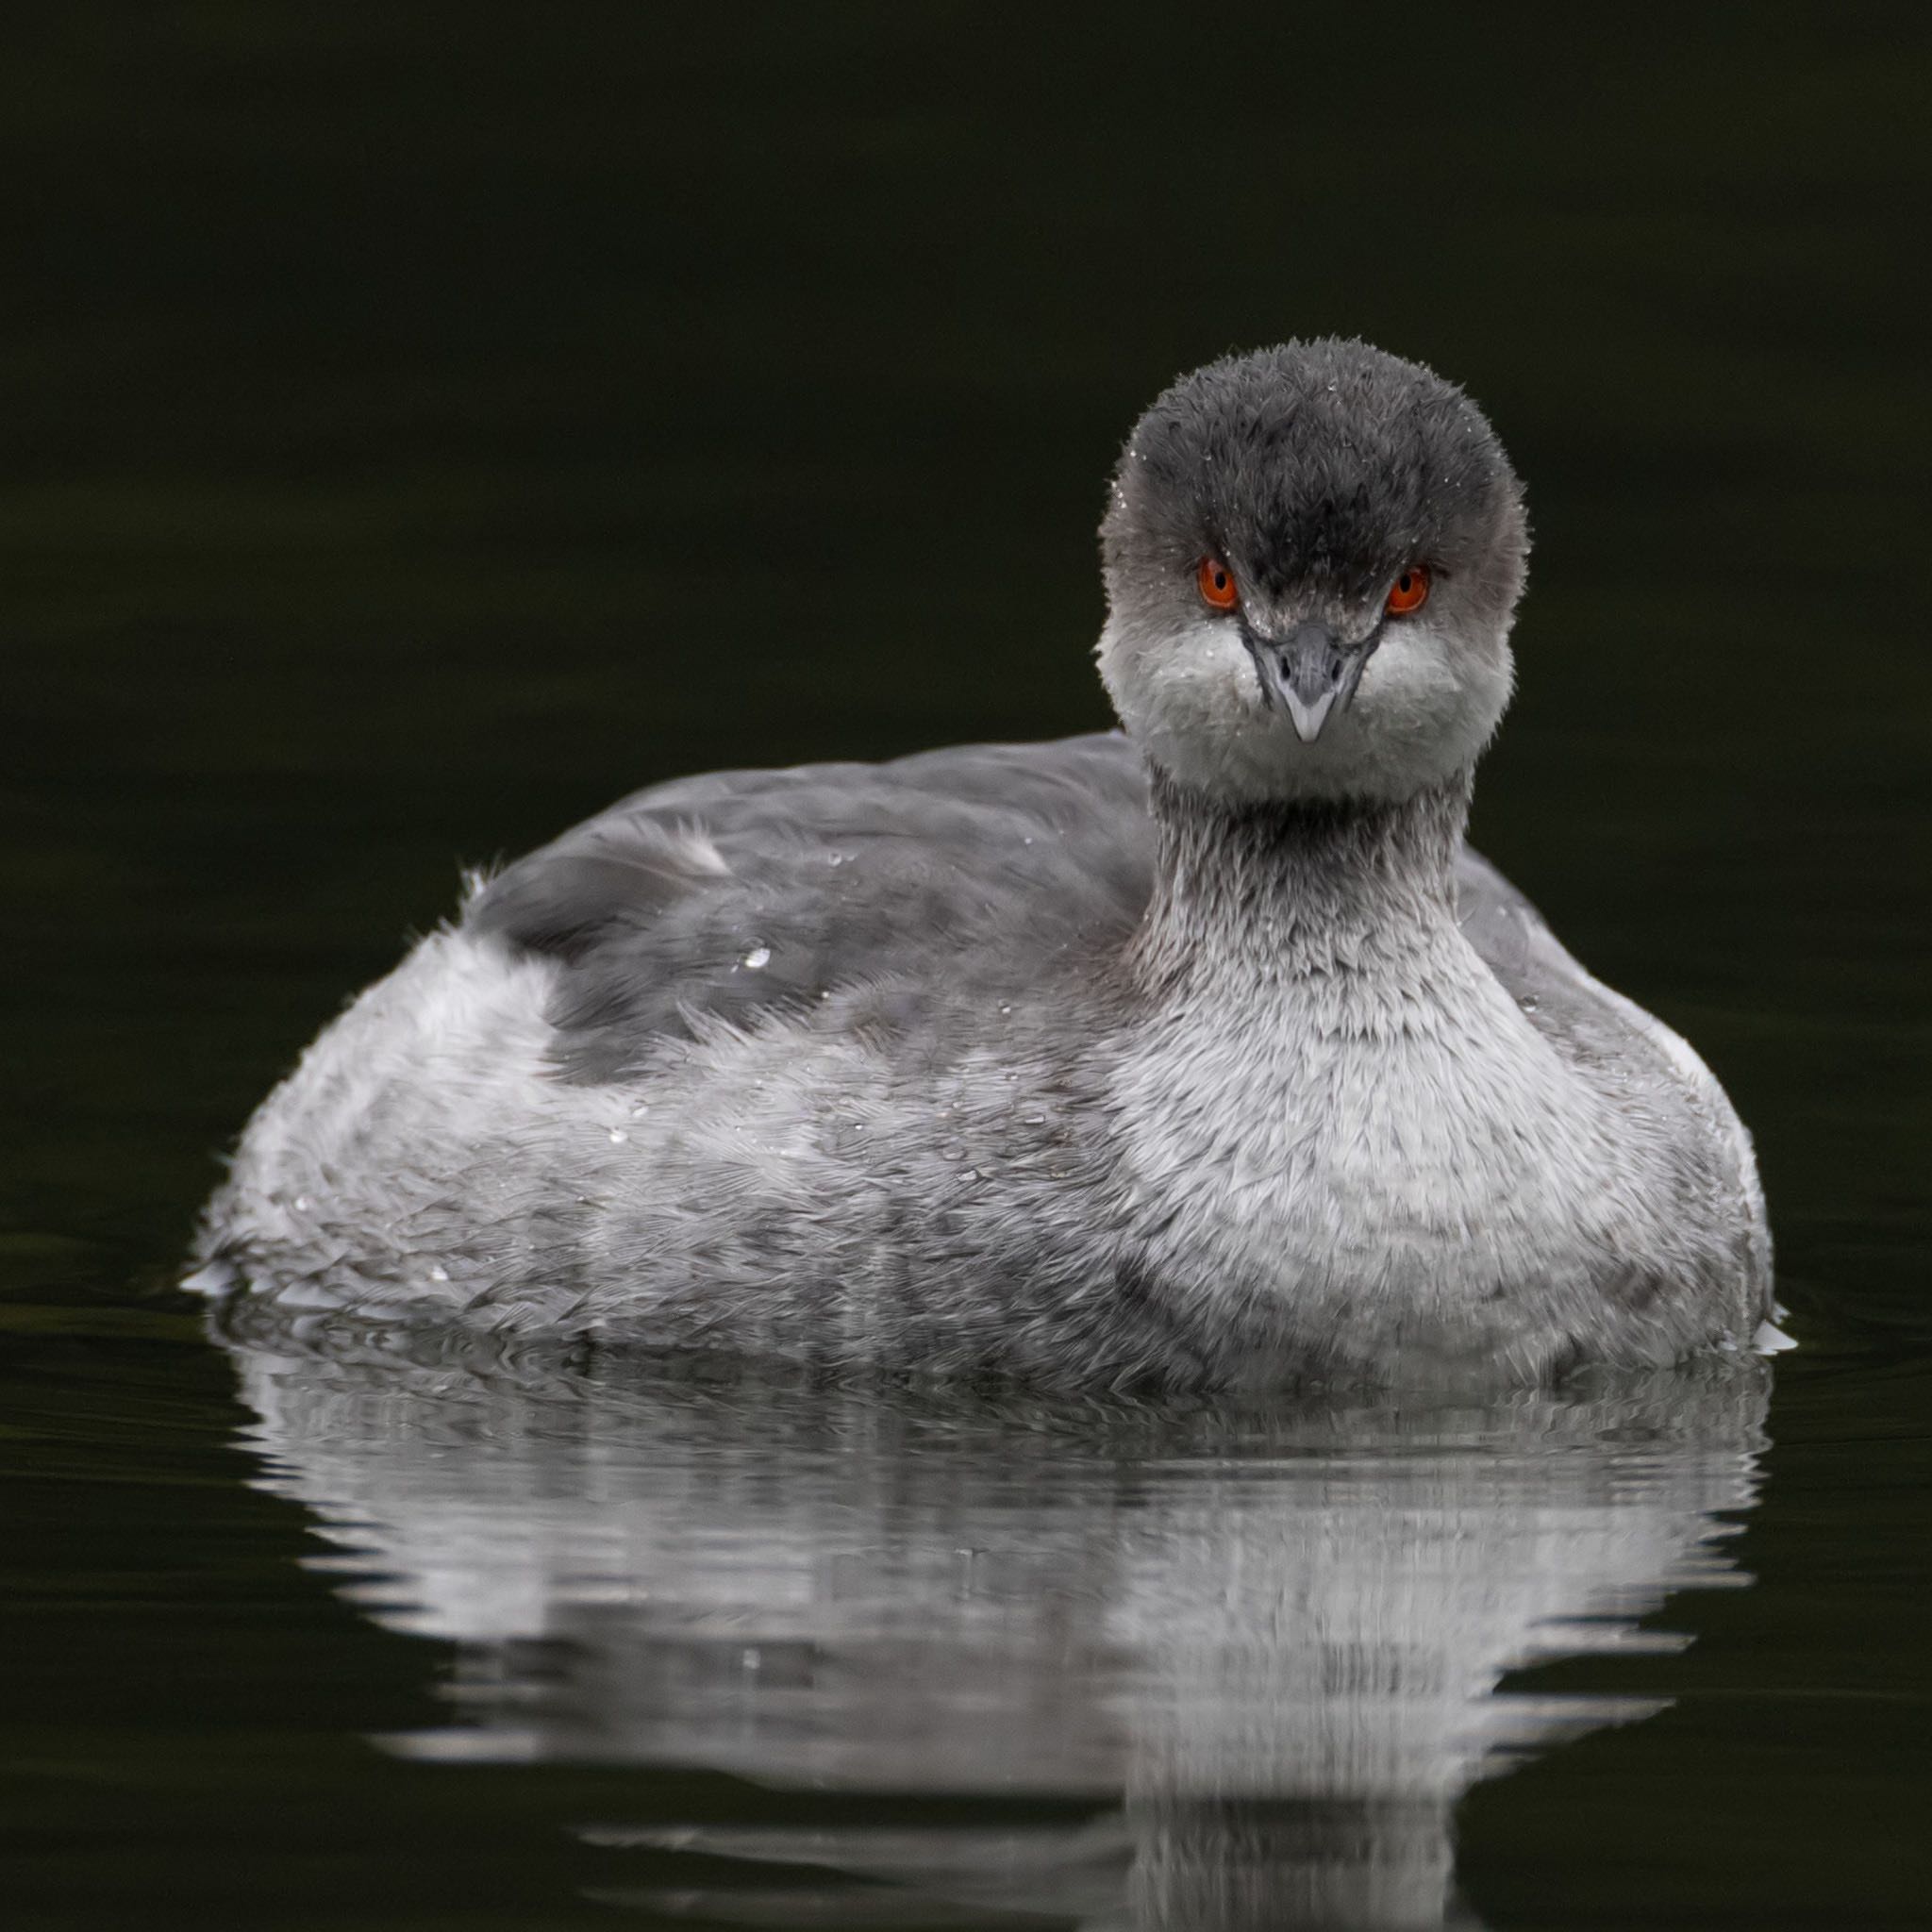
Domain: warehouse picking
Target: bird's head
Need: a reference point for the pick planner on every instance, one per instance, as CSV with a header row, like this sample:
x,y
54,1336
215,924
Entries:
x,y
1312,555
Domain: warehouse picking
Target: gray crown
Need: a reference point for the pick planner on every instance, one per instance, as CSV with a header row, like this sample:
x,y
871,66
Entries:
x,y
1327,464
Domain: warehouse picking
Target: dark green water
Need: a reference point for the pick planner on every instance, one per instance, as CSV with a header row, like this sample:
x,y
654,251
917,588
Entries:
x,y
420,425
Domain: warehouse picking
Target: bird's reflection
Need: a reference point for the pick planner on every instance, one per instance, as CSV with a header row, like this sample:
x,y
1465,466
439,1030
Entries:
x,y
1219,1667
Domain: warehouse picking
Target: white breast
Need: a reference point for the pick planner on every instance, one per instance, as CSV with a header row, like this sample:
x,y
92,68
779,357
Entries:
x,y
1376,1163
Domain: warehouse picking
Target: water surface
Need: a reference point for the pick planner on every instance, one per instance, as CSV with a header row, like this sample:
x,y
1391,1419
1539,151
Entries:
x,y
1112,1665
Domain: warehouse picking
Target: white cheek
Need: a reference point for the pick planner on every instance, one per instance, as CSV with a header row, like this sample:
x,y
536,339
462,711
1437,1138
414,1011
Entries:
x,y
1425,707
1191,700
1423,710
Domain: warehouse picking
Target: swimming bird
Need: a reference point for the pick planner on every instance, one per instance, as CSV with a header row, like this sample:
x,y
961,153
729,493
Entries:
x,y
1203,1053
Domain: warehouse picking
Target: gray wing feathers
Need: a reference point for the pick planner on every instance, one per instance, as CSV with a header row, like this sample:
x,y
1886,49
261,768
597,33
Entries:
x,y
1504,928
723,897
1534,966
718,898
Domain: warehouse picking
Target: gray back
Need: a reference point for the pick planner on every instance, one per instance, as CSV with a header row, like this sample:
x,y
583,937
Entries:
x,y
722,898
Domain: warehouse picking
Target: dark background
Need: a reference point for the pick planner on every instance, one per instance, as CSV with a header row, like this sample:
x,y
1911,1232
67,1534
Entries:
x,y
420,424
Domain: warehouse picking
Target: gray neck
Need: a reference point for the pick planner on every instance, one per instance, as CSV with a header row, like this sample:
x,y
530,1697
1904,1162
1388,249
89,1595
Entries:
x,y
1295,891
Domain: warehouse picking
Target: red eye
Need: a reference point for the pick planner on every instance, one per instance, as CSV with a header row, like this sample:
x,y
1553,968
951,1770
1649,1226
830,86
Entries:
x,y
1409,592
1216,584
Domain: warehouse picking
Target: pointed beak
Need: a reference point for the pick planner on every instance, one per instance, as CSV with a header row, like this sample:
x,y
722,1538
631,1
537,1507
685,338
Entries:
x,y
1310,673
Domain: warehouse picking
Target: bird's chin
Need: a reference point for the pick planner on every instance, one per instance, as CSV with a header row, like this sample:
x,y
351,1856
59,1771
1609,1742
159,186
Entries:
x,y
1358,756
1196,707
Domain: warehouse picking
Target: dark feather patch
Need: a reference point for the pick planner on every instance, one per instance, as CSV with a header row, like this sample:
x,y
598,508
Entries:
x,y
724,897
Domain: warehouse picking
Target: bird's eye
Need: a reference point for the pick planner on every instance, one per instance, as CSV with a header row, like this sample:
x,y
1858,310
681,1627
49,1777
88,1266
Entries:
x,y
1216,584
1409,592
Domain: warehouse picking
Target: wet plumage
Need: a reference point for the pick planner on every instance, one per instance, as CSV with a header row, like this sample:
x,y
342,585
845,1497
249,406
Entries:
x,y
1205,1055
